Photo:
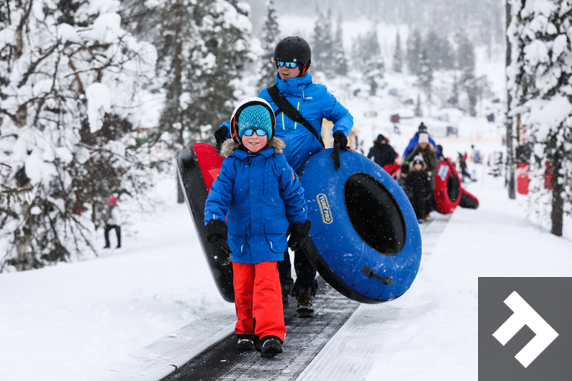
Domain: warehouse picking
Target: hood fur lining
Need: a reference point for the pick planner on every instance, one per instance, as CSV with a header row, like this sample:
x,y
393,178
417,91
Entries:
x,y
229,146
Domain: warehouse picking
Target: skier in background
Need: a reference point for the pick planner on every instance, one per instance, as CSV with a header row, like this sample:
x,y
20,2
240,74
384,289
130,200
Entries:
x,y
381,152
259,195
292,56
113,222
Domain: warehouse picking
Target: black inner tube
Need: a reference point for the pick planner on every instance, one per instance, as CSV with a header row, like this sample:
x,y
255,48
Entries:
x,y
374,214
453,187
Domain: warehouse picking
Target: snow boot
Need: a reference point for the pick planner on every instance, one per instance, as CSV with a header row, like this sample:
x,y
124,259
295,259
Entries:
x,y
269,346
304,307
245,343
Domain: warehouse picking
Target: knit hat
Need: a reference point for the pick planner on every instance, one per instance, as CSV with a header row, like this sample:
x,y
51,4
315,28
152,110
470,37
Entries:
x,y
254,113
257,117
404,169
422,128
113,200
418,159
423,138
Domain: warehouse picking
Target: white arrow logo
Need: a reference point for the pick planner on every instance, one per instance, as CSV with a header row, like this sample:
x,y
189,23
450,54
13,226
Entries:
x,y
523,315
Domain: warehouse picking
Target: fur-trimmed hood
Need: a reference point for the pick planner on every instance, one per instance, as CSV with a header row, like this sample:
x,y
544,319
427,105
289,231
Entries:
x,y
229,146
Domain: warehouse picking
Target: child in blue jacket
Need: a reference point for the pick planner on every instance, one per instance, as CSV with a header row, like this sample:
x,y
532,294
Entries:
x,y
260,197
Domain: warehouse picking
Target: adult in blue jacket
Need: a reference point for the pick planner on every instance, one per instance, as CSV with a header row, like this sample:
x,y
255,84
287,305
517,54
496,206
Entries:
x,y
293,58
415,141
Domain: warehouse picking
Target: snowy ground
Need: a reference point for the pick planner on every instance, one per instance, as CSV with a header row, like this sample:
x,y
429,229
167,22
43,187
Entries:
x,y
73,321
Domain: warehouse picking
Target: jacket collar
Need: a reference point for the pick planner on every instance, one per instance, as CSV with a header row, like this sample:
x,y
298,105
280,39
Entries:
x,y
294,86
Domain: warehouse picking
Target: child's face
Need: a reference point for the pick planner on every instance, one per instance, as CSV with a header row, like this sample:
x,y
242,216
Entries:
x,y
418,167
254,143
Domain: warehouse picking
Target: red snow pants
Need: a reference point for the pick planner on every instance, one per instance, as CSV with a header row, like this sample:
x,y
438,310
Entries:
x,y
257,296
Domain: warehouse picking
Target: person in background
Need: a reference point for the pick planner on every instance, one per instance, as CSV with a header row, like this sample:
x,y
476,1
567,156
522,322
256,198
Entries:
x,y
415,140
381,152
417,182
429,155
260,197
463,168
402,180
113,222
292,56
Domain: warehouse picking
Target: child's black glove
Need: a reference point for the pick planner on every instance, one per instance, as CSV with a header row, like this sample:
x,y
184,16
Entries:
x,y
216,235
298,235
220,136
340,137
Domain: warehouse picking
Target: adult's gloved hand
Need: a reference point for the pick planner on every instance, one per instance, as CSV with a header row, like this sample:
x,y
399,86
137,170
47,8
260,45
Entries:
x,y
298,235
340,137
216,235
220,136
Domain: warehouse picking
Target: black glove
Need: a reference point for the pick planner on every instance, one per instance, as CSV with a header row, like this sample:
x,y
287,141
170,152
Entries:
x,y
216,235
220,136
298,235
340,137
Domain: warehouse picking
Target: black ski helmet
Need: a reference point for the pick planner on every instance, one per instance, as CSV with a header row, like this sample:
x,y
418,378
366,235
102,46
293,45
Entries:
x,y
294,49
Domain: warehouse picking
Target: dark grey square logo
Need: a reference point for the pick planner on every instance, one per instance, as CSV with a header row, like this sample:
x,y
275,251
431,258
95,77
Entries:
x,y
525,329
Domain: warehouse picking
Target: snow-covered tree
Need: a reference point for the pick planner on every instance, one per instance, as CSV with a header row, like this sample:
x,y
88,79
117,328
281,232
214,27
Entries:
x,y
203,47
440,51
397,55
270,37
341,66
323,45
418,110
374,68
72,88
414,46
540,35
425,74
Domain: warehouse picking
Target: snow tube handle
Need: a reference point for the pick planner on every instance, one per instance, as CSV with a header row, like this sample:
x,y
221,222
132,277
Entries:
x,y
371,274
336,155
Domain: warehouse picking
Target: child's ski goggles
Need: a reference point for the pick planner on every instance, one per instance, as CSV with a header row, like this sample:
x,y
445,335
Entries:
x,y
250,131
289,65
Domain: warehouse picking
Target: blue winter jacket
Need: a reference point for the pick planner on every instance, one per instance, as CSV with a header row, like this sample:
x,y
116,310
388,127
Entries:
x,y
415,141
258,194
314,103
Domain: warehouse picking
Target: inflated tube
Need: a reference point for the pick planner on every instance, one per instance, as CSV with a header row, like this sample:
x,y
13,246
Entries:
x,y
447,191
468,201
198,166
365,239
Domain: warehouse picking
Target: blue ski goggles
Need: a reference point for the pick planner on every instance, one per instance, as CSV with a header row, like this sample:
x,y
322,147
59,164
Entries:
x,y
289,65
250,131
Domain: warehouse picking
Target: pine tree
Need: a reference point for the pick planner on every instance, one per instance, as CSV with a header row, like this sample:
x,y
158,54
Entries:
x,y
323,46
203,47
425,75
418,110
340,61
539,83
374,64
414,44
270,37
73,89
397,55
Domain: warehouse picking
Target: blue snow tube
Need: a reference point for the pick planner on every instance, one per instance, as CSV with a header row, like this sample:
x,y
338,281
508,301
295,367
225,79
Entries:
x,y
365,239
